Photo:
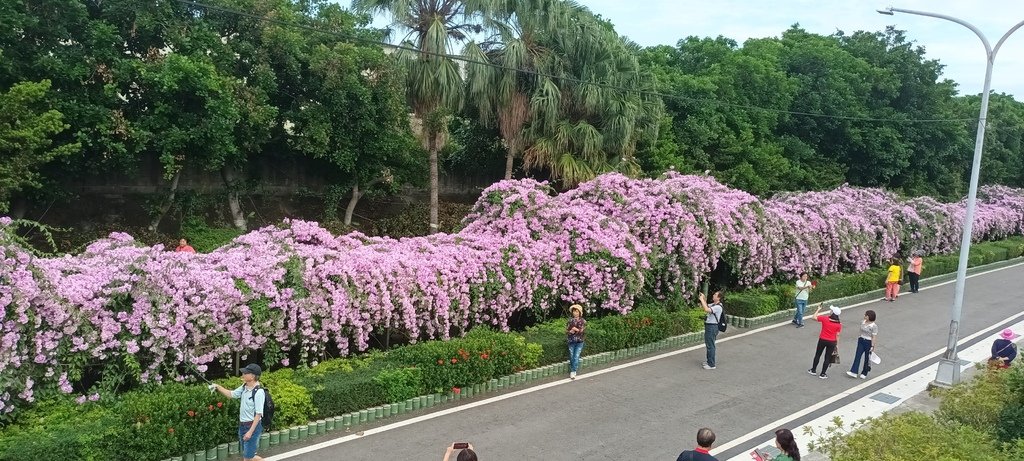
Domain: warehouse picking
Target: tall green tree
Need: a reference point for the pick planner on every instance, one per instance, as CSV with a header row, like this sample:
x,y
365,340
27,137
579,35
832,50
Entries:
x,y
352,114
28,127
434,83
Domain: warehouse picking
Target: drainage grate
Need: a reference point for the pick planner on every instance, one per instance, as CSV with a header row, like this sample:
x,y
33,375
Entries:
x,y
886,398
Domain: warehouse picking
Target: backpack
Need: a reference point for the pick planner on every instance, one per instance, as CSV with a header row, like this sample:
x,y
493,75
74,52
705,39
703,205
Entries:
x,y
268,408
723,321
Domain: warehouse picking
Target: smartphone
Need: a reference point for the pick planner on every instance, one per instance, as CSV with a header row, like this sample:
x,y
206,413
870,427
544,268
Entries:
x,y
460,445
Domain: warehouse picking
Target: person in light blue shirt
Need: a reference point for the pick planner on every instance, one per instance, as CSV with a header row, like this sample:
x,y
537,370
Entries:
x,y
252,397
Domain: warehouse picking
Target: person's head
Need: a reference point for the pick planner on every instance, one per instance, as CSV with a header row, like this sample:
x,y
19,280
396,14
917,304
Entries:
x,y
834,313
251,373
803,276
466,455
182,242
869,316
705,438
1006,334
576,310
718,297
784,441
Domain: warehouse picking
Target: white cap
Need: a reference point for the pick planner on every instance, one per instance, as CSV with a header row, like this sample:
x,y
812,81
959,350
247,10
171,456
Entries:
x,y
835,310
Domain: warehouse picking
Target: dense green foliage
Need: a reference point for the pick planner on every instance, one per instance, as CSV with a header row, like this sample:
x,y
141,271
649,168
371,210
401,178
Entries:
x,y
977,420
106,88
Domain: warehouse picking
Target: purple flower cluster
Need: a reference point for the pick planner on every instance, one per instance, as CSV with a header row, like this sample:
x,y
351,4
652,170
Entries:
x,y
296,289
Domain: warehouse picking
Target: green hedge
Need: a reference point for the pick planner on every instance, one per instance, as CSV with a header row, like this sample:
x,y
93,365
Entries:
x,y
150,423
160,421
755,302
644,325
476,358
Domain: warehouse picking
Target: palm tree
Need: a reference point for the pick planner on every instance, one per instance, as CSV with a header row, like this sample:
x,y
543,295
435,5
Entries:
x,y
434,85
597,126
513,98
574,130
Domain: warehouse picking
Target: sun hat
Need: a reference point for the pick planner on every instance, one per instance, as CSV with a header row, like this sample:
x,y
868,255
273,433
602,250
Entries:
x,y
835,310
576,307
1007,334
251,368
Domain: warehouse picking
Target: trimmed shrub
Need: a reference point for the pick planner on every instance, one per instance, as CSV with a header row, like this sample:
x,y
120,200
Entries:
x,y
977,403
160,422
400,384
61,430
479,356
340,386
752,303
915,436
551,337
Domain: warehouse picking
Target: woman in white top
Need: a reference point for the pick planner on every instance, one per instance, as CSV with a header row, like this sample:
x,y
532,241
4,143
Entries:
x,y
865,346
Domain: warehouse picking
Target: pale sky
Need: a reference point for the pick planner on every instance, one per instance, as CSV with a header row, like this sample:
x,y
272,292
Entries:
x,y
955,46
665,22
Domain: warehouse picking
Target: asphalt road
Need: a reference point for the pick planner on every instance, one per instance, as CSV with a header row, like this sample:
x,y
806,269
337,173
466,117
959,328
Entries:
x,y
651,411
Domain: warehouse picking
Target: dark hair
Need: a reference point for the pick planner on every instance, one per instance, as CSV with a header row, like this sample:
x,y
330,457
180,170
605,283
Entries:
x,y
466,455
802,274
721,295
833,317
870,315
705,437
787,443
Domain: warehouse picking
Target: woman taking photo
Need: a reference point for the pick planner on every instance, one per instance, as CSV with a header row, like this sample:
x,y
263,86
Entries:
x,y
827,340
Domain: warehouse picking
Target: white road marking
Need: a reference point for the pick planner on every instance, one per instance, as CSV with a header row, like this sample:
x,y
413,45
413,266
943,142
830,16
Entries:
x,y
867,407
469,406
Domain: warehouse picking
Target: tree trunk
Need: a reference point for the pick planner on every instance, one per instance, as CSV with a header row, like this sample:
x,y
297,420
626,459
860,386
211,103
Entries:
x,y
433,181
19,206
351,208
167,203
509,160
227,172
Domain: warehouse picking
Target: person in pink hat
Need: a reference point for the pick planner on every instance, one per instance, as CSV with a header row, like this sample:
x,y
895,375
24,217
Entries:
x,y
1003,350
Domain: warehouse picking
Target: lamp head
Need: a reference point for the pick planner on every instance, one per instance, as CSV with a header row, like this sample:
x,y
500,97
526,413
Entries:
x,y
887,11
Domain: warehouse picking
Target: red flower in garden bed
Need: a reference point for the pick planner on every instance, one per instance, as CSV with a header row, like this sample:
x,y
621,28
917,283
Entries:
x,y
191,414
454,360
457,390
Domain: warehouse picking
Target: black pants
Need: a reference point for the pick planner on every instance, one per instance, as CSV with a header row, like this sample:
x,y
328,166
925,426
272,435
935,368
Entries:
x,y
828,347
914,279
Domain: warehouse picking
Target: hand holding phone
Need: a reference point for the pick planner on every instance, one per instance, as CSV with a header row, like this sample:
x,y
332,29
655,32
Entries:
x,y
460,445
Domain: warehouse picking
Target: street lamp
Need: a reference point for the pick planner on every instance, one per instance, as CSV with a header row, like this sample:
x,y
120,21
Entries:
x,y
949,365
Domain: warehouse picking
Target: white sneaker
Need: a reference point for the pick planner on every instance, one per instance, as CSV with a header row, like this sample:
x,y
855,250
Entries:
x,y
862,376
572,375
707,367
851,374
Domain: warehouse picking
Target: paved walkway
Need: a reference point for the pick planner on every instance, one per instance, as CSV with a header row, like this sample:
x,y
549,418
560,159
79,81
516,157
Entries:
x,y
651,408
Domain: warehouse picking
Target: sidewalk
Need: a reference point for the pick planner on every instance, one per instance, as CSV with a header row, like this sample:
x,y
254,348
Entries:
x,y
906,394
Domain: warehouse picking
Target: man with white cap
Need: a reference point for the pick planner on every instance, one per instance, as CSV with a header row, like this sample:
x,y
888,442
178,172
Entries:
x,y
827,340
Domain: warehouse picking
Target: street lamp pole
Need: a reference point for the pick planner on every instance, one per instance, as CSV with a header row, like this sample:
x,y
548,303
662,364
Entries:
x,y
949,365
